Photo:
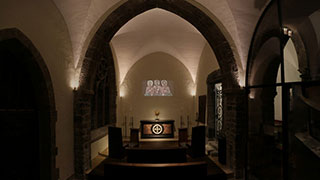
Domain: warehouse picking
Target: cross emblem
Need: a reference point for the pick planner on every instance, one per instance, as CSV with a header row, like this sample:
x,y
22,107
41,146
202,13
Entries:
x,y
157,129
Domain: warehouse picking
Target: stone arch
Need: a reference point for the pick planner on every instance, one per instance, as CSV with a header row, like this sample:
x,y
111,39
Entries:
x,y
260,81
265,56
261,43
99,47
190,13
265,31
46,110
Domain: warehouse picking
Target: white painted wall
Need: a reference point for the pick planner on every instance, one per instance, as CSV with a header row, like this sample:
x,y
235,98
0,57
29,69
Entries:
x,y
291,63
291,74
208,63
157,65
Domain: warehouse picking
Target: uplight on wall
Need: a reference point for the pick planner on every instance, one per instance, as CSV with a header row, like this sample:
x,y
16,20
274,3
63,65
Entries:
x,y
74,78
74,84
122,90
121,94
193,92
241,81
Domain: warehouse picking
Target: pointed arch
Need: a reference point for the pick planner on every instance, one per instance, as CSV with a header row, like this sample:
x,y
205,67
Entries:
x,y
14,40
99,50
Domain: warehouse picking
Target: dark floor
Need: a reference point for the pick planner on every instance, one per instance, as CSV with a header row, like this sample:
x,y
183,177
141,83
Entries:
x,y
213,171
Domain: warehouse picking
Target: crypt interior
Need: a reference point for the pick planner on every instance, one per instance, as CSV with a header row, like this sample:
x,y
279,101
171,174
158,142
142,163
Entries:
x,y
198,89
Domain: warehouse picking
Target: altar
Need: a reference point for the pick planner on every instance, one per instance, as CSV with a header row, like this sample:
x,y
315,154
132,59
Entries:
x,y
157,128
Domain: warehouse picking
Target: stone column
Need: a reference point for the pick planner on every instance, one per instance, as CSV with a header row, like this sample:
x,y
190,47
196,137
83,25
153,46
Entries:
x,y
234,128
82,127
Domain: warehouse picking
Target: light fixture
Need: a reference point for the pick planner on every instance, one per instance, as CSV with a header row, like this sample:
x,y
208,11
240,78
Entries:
x,y
287,31
122,90
193,93
74,85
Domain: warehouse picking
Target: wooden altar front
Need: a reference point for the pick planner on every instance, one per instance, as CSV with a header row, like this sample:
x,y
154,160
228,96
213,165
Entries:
x,y
157,128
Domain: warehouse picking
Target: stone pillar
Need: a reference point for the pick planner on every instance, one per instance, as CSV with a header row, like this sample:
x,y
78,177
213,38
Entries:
x,y
234,128
82,127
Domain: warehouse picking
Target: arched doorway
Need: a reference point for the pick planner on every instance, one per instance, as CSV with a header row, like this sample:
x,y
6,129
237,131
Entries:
x,y
27,110
99,52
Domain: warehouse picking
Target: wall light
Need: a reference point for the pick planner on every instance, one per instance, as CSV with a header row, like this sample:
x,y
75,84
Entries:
x,y
287,31
122,90
193,93
74,84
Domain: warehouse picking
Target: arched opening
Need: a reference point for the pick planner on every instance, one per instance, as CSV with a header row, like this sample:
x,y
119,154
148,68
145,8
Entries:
x,y
27,110
99,50
278,76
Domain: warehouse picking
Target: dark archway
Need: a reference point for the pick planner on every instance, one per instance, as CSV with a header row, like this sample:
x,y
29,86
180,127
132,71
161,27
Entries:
x,y
27,110
99,50
262,69
267,129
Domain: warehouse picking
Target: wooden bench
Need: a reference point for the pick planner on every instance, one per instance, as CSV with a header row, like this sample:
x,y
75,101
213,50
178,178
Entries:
x,y
121,170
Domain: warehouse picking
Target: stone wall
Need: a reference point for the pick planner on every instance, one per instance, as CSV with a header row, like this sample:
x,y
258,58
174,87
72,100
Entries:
x,y
234,128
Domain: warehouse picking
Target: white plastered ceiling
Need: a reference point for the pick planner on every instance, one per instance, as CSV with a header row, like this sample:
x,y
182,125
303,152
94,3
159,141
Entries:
x,y
157,30
237,20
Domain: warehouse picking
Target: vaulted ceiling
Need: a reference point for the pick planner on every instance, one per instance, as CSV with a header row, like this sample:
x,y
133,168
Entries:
x,y
158,30
236,19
